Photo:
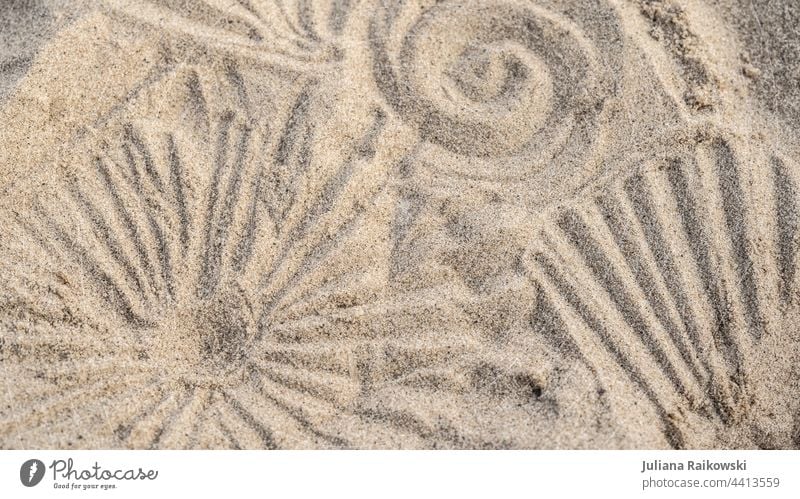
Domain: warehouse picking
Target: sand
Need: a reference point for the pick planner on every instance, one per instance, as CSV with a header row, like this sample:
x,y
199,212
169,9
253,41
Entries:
x,y
399,224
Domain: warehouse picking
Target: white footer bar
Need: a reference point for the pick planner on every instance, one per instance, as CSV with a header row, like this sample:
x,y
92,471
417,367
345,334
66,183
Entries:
x,y
377,474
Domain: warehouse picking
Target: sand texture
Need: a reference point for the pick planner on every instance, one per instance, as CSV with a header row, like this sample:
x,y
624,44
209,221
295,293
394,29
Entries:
x,y
399,224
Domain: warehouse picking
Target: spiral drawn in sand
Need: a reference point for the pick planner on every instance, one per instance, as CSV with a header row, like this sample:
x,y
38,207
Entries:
x,y
624,282
496,79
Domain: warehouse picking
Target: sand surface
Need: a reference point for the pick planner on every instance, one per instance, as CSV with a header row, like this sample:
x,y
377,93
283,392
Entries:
x,y
399,224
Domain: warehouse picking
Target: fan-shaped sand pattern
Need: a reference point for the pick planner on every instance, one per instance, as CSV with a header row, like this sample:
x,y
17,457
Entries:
x,y
641,278
358,224
197,261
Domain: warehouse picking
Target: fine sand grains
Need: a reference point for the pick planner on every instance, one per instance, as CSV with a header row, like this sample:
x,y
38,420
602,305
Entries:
x,y
402,224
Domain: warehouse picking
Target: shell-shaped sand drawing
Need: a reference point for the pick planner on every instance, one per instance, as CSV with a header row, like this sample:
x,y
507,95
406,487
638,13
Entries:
x,y
669,271
396,224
